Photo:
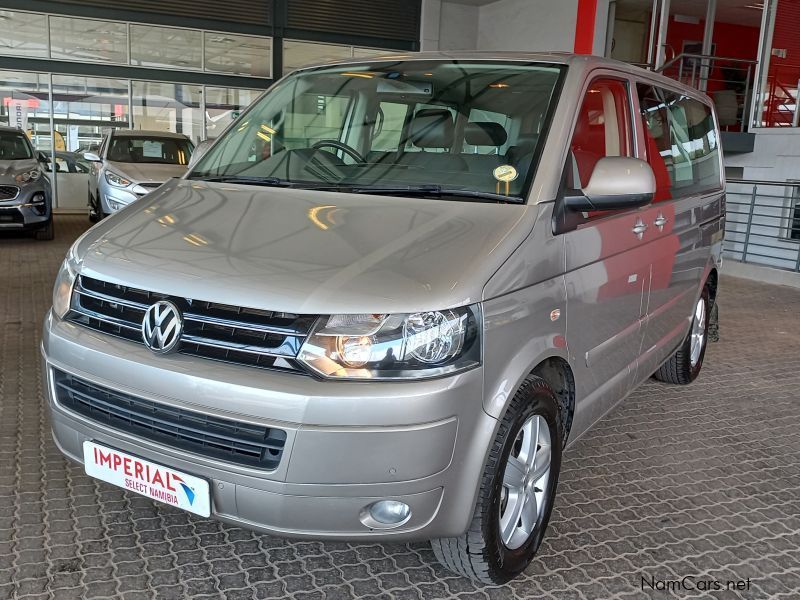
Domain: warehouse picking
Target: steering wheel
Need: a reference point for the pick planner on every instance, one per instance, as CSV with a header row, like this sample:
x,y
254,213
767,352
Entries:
x,y
350,151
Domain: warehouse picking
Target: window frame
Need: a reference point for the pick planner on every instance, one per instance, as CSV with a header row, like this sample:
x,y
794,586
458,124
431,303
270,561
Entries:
x,y
575,219
692,96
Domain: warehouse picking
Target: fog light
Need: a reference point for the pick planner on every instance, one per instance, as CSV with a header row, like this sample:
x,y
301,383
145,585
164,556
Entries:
x,y
114,205
390,512
38,198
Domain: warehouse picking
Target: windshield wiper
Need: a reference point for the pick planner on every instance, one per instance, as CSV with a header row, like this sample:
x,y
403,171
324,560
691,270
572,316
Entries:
x,y
433,190
246,180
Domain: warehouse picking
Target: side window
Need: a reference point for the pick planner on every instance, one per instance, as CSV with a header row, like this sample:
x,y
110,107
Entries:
x,y
389,126
602,129
681,143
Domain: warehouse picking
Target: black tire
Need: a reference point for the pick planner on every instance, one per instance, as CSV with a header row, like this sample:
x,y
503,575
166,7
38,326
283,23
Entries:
x,y
679,369
94,211
480,554
47,233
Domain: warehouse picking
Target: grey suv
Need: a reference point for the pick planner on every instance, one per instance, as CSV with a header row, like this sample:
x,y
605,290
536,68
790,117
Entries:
x,y
132,163
25,193
382,303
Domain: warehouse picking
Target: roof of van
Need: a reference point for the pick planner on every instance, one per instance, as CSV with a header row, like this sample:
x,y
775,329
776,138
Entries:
x,y
148,133
9,128
587,61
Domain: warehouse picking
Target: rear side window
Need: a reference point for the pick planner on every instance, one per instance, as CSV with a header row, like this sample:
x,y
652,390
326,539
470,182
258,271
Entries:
x,y
682,146
389,124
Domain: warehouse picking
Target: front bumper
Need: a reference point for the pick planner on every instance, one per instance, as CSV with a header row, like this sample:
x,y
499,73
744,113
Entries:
x,y
348,443
27,210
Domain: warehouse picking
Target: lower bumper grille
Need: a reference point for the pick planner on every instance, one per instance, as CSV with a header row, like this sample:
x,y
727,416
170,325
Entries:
x,y
11,215
231,441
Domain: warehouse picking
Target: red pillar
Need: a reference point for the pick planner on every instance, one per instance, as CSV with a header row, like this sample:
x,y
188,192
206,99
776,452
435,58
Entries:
x,y
584,26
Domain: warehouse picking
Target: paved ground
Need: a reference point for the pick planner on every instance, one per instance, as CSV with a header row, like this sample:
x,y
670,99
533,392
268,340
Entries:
x,y
701,481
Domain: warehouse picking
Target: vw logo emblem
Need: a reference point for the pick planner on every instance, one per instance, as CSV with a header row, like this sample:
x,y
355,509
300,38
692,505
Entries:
x,y
162,327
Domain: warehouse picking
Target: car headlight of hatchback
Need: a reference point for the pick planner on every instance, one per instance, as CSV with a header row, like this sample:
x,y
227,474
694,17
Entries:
x,y
397,346
117,180
28,176
62,290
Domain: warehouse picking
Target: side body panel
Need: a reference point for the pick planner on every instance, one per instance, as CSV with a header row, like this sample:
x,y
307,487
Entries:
x,y
607,276
681,253
527,325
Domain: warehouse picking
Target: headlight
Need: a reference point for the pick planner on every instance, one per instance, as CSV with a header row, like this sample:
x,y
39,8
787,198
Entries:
x,y
62,291
404,346
117,180
28,176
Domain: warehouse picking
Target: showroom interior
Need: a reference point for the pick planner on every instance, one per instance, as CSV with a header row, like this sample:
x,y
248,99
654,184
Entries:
x,y
677,491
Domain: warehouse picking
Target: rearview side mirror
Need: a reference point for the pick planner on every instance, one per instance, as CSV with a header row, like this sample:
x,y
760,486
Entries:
x,y
199,151
617,183
91,157
42,157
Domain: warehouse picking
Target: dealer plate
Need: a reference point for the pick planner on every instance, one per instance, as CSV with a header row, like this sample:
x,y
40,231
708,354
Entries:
x,y
152,480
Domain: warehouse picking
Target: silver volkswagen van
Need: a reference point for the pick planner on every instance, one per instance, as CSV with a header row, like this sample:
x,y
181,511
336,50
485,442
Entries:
x,y
381,304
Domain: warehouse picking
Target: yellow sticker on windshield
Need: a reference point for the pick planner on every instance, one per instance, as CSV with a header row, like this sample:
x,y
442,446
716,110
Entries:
x,y
505,173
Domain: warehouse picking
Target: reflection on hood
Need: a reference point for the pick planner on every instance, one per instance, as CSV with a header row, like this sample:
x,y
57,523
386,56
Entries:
x,y
9,169
147,172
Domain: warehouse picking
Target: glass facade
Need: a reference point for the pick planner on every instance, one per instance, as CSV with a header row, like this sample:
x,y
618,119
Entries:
x,y
36,35
166,47
298,54
22,34
238,54
84,109
87,40
66,115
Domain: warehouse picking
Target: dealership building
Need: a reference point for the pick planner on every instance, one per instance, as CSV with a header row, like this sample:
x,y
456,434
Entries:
x,y
73,70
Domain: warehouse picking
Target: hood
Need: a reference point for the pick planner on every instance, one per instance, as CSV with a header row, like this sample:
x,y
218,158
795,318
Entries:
x,y
11,168
305,251
147,172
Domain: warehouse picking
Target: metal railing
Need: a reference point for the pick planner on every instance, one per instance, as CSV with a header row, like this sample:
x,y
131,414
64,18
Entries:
x,y
763,223
729,81
781,98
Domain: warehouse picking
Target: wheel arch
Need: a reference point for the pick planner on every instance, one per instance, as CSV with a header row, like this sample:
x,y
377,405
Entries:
x,y
557,373
712,281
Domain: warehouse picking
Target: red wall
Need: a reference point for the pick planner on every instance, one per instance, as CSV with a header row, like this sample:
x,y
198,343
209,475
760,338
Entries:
x,y
731,41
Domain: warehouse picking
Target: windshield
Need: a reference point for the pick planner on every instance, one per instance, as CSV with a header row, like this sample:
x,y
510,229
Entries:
x,y
14,146
167,151
395,126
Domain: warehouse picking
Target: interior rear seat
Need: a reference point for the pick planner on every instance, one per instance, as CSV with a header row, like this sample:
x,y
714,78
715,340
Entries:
x,y
484,133
433,128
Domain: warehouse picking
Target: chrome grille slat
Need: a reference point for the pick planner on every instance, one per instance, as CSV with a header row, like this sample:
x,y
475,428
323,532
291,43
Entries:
x,y
109,319
292,351
214,331
238,324
106,298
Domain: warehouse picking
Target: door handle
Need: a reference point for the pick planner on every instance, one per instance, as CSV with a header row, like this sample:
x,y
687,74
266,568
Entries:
x,y
660,221
639,228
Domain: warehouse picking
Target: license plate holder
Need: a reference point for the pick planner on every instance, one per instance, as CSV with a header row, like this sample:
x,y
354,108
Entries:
x,y
152,480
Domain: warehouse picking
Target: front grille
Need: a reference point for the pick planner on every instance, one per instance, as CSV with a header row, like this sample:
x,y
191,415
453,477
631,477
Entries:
x,y
234,334
8,192
231,441
151,185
